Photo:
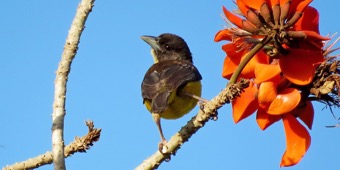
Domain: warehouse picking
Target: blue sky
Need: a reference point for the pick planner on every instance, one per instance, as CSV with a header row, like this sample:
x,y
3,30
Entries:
x,y
104,86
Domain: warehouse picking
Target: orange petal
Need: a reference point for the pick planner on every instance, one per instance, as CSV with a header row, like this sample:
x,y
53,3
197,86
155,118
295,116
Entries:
x,y
309,25
250,16
264,120
223,35
272,3
267,93
243,7
282,2
251,3
285,101
298,6
232,60
264,72
232,17
248,71
298,65
283,84
246,104
311,45
305,113
297,141
309,21
229,66
233,52
307,116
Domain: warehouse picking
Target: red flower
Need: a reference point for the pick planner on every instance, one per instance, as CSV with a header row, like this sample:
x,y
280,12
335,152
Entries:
x,y
294,36
282,37
273,104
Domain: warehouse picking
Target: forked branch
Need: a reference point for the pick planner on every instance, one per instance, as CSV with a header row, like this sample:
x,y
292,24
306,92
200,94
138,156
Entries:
x,y
70,50
80,144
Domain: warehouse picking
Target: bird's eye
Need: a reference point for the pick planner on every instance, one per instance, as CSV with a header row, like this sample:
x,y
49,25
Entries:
x,y
167,47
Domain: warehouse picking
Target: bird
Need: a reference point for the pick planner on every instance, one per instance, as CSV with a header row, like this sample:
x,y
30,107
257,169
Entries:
x,y
172,86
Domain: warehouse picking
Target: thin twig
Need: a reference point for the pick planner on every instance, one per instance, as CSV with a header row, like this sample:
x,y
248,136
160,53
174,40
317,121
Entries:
x,y
78,145
208,112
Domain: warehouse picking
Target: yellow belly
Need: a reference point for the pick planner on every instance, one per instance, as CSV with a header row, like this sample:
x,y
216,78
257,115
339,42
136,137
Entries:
x,y
179,105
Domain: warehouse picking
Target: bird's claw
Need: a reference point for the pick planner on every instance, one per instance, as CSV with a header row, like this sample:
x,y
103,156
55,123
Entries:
x,y
162,146
201,104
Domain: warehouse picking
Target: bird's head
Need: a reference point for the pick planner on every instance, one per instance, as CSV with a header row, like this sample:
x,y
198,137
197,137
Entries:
x,y
168,47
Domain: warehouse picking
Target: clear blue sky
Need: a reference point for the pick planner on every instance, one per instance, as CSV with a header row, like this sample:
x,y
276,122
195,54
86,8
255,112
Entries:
x,y
104,86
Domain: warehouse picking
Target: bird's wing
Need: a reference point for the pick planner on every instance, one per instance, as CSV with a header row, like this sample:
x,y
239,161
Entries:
x,y
165,77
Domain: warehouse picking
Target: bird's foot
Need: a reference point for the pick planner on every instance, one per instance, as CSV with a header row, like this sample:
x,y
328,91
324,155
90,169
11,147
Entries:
x,y
162,146
164,150
201,104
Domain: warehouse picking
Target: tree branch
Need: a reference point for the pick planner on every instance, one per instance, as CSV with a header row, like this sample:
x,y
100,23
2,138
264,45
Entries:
x,y
204,115
70,50
78,145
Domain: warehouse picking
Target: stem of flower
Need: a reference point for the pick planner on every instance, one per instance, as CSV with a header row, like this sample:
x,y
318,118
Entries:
x,y
249,56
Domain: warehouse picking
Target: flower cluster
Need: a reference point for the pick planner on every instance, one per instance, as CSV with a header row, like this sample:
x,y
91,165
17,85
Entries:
x,y
276,44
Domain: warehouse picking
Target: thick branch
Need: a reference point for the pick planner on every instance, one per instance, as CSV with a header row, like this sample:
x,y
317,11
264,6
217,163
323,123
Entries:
x,y
69,53
209,111
78,145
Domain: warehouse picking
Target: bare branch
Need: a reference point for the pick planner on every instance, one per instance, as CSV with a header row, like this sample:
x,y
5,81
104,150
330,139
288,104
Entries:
x,y
70,50
208,112
78,145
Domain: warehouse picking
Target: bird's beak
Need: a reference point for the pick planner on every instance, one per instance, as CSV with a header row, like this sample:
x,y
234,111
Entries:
x,y
151,40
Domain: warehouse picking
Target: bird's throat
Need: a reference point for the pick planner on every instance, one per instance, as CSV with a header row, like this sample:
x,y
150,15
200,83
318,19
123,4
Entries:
x,y
155,59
